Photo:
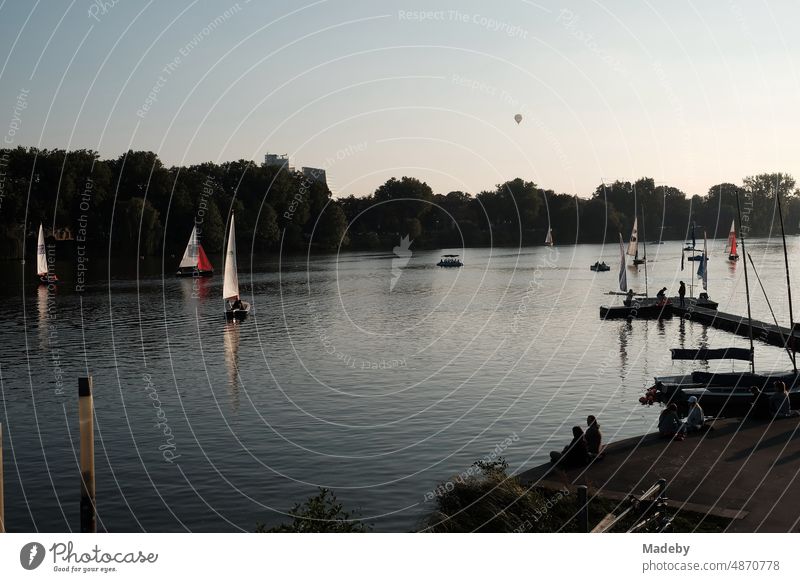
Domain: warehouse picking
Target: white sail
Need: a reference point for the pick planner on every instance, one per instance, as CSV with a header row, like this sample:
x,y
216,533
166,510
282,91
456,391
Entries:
x,y
41,254
549,239
230,288
633,244
190,254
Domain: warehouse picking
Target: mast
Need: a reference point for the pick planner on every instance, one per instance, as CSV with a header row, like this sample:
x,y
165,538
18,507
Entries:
x,y
644,249
746,287
788,280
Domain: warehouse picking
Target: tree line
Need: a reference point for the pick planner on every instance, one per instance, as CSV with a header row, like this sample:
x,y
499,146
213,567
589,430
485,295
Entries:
x,y
136,204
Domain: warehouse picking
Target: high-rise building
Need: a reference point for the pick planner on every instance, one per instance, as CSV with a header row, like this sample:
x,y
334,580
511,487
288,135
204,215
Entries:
x,y
277,160
316,174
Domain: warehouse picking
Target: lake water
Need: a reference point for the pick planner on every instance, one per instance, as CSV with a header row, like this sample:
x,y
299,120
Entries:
x,y
362,372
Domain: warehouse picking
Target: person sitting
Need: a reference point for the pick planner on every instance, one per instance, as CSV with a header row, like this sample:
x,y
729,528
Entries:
x,y
779,404
662,294
669,425
759,404
696,420
236,304
593,438
575,454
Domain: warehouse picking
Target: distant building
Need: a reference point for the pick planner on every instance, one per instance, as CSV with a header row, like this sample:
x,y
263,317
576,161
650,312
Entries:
x,y
277,161
316,174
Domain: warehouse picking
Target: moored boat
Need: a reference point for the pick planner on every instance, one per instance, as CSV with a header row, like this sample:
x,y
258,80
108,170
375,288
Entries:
x,y
647,308
598,266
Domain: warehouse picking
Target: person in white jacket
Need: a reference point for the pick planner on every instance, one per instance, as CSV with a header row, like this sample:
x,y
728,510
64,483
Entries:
x,y
696,420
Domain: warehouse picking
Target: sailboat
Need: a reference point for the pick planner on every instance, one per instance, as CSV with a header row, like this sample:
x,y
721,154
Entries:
x,y
643,260
194,263
693,247
549,238
46,277
633,243
732,250
633,307
235,308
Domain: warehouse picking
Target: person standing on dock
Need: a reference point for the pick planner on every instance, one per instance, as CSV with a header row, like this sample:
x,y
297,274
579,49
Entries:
x,y
682,293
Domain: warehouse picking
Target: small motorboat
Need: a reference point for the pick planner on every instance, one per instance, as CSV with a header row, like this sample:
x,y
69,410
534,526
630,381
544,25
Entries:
x,y
449,261
600,267
697,258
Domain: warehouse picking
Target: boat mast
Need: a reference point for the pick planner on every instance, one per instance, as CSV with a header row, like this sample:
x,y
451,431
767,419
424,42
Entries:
x,y
788,280
644,249
746,287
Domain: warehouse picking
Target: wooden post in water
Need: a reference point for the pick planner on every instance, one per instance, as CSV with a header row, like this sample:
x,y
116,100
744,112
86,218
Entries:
x,y
86,419
2,506
583,508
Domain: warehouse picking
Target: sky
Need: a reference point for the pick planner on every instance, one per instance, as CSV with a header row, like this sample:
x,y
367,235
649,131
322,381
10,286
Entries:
x,y
689,93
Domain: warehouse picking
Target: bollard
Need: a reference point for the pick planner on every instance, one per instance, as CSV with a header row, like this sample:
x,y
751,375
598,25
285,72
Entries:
x,y
2,507
583,511
86,419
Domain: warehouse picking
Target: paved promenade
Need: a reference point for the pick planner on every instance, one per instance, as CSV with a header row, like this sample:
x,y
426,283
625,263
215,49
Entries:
x,y
749,471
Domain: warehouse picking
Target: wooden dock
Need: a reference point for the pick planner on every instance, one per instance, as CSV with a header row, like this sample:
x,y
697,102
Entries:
x,y
762,331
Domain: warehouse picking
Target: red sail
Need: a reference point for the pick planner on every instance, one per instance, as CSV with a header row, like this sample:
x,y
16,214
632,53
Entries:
x,y
203,264
733,243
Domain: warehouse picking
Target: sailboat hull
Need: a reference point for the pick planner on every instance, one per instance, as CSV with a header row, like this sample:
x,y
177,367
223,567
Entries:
x,y
639,310
723,393
238,314
192,272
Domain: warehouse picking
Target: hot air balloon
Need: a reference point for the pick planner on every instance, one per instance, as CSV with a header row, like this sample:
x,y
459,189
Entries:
x,y
518,118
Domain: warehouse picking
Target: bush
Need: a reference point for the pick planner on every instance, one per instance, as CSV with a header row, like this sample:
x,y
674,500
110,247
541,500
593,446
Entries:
x,y
321,513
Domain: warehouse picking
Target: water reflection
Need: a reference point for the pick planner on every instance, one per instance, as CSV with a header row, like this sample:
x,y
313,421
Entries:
x,y
195,287
231,338
625,330
42,297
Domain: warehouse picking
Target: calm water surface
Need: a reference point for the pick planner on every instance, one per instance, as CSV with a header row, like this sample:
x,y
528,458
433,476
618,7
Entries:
x,y
356,371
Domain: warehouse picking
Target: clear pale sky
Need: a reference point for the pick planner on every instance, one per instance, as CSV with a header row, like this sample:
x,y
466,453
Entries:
x,y
690,93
